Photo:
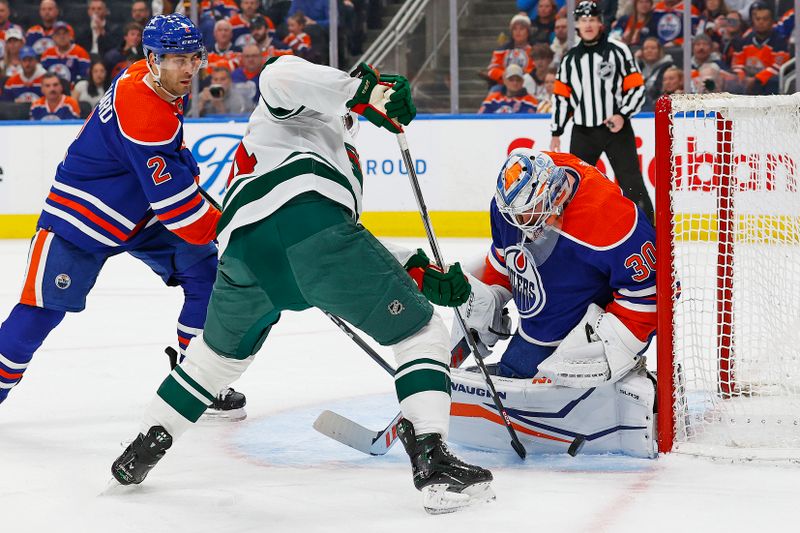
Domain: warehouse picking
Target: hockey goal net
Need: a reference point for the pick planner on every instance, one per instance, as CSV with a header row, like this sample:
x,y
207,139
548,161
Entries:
x,y
728,240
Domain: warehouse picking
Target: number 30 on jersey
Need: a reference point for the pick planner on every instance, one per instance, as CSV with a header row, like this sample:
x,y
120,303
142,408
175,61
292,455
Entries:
x,y
643,263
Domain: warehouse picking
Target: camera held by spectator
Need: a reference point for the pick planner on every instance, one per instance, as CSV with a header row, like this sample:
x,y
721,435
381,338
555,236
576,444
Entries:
x,y
216,91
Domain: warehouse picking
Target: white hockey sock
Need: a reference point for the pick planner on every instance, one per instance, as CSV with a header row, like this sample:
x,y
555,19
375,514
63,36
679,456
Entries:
x,y
423,378
191,387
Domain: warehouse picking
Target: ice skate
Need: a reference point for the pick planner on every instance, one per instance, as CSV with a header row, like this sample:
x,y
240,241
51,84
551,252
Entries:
x,y
141,456
228,406
447,483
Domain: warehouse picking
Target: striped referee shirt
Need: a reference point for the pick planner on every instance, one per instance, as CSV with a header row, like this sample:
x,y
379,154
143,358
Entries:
x,y
595,82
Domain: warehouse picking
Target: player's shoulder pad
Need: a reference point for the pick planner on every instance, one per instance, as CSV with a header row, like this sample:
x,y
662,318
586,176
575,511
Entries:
x,y
599,216
143,116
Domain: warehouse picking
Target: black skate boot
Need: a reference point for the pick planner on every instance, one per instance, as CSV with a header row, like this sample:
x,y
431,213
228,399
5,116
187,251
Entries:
x,y
228,405
141,456
447,483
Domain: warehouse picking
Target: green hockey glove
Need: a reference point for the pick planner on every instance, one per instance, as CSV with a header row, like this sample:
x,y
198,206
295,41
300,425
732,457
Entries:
x,y
449,288
380,99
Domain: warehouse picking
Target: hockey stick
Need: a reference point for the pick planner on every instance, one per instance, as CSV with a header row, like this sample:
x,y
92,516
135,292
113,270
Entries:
x,y
368,441
426,221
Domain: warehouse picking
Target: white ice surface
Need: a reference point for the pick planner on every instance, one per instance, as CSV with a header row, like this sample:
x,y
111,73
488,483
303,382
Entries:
x,y
86,388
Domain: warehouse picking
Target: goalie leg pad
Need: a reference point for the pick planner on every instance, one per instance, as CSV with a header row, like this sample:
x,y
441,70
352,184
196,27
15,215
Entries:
x,y
613,418
422,380
191,387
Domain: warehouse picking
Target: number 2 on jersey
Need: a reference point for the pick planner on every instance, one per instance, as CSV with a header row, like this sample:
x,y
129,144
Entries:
x,y
644,263
158,165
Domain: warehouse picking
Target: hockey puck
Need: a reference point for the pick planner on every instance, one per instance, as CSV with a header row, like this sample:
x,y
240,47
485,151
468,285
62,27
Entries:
x,y
576,446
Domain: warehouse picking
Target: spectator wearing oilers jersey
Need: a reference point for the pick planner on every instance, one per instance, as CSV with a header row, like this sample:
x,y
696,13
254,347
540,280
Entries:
x,y
667,22
785,26
758,56
298,40
512,97
5,25
219,9
225,53
25,86
600,87
68,60
245,78
517,51
241,23
39,36
54,105
126,184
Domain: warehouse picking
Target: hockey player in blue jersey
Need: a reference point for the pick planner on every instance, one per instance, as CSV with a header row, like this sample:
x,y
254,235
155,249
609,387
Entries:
x,y
126,184
578,260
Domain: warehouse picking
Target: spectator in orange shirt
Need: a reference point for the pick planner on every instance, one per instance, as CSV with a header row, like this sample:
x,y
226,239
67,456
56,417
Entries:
x,y
517,51
512,97
54,105
298,40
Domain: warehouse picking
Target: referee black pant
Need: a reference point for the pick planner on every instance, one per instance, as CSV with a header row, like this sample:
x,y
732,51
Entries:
x,y
620,148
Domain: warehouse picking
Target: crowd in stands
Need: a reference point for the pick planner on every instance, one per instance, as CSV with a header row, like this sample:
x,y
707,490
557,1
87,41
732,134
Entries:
x,y
86,50
738,46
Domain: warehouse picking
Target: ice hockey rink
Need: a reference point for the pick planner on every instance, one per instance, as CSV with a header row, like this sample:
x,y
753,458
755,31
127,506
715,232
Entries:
x,y
82,397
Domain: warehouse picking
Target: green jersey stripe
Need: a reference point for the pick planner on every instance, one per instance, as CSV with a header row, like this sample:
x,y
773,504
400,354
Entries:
x,y
420,362
177,397
261,186
422,381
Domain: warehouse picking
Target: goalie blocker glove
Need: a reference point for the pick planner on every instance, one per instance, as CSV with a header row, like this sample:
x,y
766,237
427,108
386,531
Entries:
x,y
448,288
447,483
383,100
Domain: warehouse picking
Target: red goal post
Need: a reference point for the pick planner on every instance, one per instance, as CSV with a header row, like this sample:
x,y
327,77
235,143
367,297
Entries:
x,y
728,242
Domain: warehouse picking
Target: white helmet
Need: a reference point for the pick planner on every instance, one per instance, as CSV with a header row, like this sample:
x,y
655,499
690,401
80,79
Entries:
x,y
531,191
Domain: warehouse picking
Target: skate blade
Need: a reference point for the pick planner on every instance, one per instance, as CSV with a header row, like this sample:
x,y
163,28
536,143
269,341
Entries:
x,y
115,488
438,500
214,416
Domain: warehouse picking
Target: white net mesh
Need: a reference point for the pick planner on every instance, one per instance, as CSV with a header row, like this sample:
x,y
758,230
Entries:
x,y
736,234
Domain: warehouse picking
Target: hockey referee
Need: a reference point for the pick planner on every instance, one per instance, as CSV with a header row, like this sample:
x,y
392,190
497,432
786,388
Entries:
x,y
599,85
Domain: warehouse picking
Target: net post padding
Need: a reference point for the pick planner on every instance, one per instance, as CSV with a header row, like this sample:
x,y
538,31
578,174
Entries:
x,y
723,170
664,272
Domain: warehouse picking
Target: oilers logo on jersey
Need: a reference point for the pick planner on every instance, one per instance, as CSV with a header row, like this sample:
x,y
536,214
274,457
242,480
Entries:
x,y
526,282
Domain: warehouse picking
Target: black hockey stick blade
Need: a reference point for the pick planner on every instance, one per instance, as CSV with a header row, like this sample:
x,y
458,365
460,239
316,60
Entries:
x,y
173,356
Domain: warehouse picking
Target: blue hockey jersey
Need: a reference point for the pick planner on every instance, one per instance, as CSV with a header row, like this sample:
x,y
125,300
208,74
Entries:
x,y
128,169
601,250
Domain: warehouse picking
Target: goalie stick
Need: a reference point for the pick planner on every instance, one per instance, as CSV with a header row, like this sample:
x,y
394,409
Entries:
x,y
370,442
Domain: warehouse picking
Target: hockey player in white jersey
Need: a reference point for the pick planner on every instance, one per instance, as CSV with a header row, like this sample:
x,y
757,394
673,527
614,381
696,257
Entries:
x,y
289,240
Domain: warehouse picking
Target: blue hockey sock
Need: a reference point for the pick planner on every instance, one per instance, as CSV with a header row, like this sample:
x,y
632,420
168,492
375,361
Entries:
x,y
21,335
196,282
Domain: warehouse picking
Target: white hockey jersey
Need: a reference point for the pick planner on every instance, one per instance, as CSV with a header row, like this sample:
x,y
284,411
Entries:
x,y
296,142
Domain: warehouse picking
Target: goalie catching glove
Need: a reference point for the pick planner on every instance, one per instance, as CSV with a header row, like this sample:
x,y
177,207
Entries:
x,y
449,288
599,350
383,100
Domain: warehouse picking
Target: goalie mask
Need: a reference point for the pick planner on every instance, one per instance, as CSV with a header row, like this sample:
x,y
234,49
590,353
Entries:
x,y
531,191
